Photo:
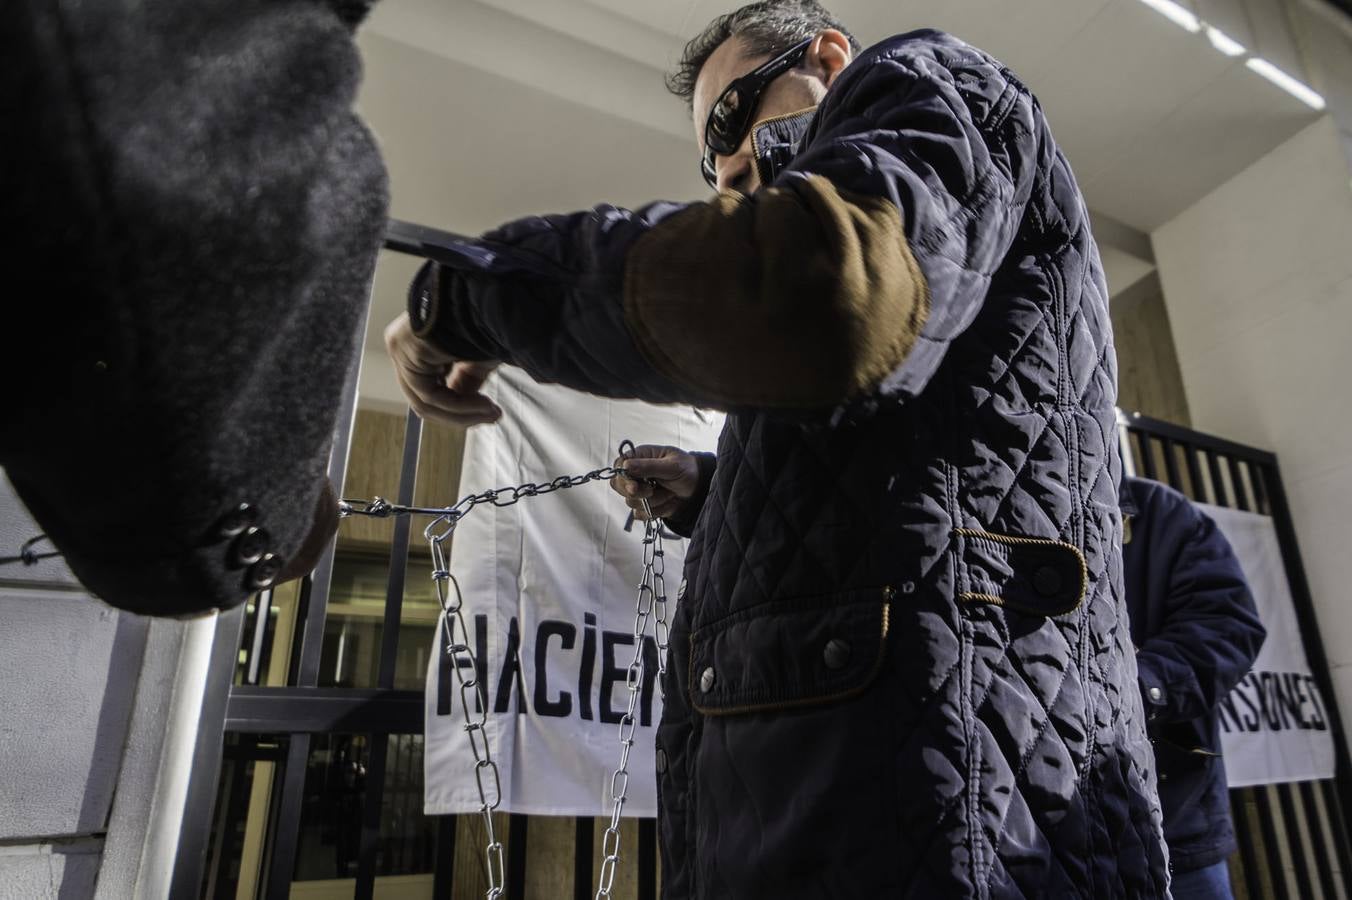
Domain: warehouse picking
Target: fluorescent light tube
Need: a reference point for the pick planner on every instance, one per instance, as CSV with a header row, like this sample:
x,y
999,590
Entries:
x,y
1223,42
1293,87
1176,14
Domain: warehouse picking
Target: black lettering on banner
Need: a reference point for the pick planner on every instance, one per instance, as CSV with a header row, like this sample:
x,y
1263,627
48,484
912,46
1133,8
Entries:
x,y
480,661
1252,720
611,673
584,676
567,633
1317,723
1291,699
511,672
1266,705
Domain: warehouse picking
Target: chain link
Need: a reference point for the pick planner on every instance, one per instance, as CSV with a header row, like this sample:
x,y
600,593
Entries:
x,y
650,605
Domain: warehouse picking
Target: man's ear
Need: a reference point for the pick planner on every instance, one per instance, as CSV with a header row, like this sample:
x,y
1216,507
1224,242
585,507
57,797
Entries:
x,y
828,55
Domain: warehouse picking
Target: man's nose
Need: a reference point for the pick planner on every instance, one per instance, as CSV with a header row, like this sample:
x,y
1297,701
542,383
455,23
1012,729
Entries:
x,y
736,172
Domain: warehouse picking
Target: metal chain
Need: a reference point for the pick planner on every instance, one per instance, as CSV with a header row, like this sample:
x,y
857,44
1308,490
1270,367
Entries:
x,y
651,604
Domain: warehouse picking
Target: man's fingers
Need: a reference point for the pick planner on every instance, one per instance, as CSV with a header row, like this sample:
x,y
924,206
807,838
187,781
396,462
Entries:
x,y
661,468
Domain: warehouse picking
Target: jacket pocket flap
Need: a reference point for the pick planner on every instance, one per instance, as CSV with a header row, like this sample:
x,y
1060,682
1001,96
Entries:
x,y
1035,576
789,653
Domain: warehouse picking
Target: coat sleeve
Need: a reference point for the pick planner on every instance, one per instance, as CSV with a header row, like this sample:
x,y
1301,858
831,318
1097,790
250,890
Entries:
x,y
849,275
1211,633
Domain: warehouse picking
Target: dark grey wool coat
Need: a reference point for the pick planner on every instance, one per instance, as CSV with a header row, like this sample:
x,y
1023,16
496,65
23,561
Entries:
x,y
194,215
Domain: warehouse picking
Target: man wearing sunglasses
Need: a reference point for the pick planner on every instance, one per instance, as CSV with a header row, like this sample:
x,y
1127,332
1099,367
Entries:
x,y
901,664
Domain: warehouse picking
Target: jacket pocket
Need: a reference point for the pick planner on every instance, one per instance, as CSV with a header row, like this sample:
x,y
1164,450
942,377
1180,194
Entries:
x,y
791,653
1034,576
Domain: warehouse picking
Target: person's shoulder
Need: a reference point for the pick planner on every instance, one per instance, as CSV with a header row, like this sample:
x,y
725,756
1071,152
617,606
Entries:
x,y
940,47
1153,499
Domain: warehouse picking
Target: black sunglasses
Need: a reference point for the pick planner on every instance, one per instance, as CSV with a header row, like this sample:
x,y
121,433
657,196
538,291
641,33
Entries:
x,y
730,118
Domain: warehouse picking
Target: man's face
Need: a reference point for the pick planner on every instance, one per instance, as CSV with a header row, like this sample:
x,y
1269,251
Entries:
x,y
791,92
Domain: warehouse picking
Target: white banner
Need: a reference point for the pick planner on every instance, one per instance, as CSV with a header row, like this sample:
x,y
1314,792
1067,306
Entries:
x,y
1274,727
549,586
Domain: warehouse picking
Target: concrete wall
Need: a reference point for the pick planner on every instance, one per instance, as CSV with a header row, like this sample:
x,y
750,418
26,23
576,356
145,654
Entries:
x,y
90,700
1258,283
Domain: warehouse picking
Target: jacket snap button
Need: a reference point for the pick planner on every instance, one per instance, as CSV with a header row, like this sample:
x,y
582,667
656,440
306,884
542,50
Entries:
x,y
1156,694
836,654
1047,581
661,759
235,521
706,680
250,546
264,572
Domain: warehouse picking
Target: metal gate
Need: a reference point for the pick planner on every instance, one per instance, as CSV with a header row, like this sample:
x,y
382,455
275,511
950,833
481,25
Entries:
x,y
1292,837
333,755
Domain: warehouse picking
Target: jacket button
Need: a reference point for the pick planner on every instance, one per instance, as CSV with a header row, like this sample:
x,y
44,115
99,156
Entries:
x,y
251,546
707,679
1047,581
661,759
1155,694
236,521
263,573
836,654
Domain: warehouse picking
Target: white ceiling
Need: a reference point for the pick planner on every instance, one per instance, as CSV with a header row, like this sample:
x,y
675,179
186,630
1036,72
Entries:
x,y
489,109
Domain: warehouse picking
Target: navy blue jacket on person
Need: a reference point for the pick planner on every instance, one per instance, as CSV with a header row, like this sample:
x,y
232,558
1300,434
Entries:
x,y
1197,633
901,666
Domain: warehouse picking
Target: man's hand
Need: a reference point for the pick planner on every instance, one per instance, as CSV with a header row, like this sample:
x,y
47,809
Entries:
x,y
436,385
675,473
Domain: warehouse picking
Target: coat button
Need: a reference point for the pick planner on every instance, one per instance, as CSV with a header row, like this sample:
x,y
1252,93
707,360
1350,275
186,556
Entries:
x,y
1047,581
661,760
837,653
1155,694
237,520
263,573
251,546
707,679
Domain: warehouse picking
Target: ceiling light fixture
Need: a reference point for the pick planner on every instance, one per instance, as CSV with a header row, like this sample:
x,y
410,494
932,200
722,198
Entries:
x,y
1293,87
1176,14
1223,42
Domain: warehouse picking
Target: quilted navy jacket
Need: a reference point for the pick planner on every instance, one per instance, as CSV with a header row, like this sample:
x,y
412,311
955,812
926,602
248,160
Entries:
x,y
902,666
1197,631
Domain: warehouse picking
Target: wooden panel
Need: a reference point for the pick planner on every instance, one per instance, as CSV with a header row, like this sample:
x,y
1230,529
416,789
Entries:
x,y
1149,380
373,471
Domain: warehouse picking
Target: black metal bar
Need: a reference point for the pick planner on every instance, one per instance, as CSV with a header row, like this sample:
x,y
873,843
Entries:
x,y
1147,455
1310,637
1237,483
1333,808
314,710
285,837
584,835
369,841
1320,838
1171,464
1219,496
199,806
1266,822
1248,853
1194,473
394,585
443,874
1294,841
262,610
311,630
517,828
374,799
647,859
1201,440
